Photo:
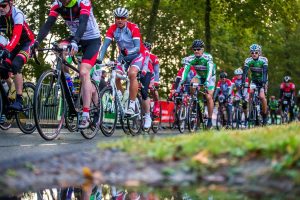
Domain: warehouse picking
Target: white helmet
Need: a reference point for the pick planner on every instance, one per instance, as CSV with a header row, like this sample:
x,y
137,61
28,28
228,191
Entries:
x,y
3,40
238,71
121,12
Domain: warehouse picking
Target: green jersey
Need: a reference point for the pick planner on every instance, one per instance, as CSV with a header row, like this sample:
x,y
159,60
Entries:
x,y
273,104
203,65
258,68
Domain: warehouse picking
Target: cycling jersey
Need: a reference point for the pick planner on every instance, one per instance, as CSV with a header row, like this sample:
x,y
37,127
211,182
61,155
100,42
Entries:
x,y
273,104
155,64
224,87
237,87
15,27
258,68
287,90
79,19
203,65
191,74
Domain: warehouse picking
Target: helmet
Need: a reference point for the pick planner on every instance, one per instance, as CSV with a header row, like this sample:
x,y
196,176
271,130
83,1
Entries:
x,y
3,40
287,79
198,44
223,75
121,12
148,45
255,47
221,98
238,71
272,97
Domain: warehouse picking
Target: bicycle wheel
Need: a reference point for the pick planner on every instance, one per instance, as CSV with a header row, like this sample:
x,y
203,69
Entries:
x,y
25,119
182,113
220,120
48,105
135,123
237,118
95,113
193,116
156,122
109,112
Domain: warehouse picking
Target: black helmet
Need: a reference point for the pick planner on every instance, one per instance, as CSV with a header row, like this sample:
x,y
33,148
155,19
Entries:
x,y
223,75
287,79
198,44
148,45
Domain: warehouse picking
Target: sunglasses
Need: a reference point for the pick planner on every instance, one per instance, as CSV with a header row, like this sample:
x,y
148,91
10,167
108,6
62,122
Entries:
x,y
254,52
3,5
197,49
120,18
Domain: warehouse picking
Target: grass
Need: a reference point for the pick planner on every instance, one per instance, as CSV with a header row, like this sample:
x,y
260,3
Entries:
x,y
281,144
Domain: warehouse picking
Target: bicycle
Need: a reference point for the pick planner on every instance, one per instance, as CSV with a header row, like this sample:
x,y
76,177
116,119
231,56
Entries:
x,y
238,113
114,104
181,107
54,102
222,117
255,118
285,117
24,118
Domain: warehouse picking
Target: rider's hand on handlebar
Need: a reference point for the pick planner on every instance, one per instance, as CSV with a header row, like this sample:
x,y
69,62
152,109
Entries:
x,y
5,54
73,46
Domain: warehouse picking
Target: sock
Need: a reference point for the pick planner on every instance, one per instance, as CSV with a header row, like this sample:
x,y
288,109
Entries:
x,y
85,112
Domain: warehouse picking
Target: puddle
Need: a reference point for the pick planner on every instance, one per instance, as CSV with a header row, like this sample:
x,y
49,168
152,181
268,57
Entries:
x,y
106,192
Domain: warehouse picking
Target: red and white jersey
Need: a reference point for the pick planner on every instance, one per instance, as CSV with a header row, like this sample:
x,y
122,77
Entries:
x,y
15,27
225,87
155,64
287,88
192,72
237,85
71,17
125,36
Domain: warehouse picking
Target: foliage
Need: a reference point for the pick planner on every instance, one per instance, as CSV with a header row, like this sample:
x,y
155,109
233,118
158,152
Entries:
x,y
281,144
234,25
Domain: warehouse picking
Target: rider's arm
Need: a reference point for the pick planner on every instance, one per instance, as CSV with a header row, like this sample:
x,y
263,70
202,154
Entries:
x,y
17,31
104,47
265,72
210,70
46,28
186,71
217,91
245,73
83,19
177,81
230,84
156,72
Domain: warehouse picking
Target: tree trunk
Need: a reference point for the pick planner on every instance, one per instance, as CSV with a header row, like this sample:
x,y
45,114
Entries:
x,y
153,16
207,26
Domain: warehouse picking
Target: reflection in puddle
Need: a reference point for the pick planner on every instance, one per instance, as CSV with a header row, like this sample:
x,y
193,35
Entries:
x,y
106,192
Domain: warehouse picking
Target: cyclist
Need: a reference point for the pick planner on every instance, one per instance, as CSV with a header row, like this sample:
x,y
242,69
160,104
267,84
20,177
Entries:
x,y
128,38
239,92
155,79
273,107
287,93
225,90
258,66
205,68
79,17
16,52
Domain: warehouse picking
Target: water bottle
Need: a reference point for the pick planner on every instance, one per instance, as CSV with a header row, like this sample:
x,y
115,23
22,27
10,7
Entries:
x,y
76,86
70,82
96,73
5,86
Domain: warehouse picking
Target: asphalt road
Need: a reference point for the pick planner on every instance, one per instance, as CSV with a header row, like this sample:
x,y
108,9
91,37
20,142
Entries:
x,y
15,145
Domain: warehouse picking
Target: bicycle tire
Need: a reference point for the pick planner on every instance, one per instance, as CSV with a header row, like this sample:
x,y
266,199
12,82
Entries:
x,y
181,122
220,120
135,123
156,122
95,115
193,117
109,111
47,117
25,119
